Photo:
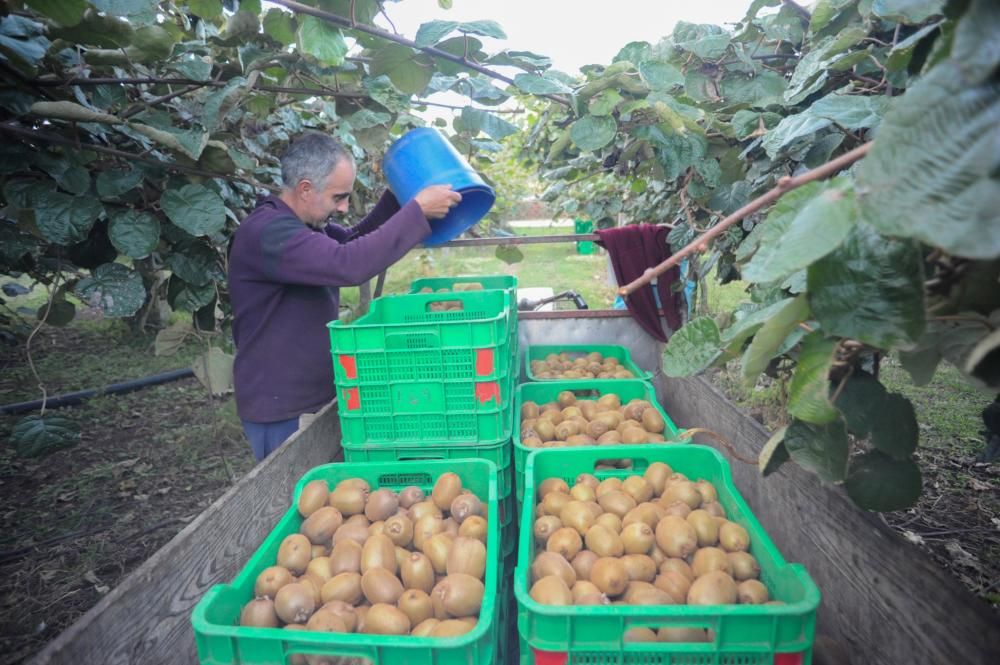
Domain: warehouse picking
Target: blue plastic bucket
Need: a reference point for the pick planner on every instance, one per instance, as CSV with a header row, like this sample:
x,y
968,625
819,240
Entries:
x,y
424,157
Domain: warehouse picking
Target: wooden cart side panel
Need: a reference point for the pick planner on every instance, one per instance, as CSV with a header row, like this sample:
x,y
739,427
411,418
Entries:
x,y
147,618
883,598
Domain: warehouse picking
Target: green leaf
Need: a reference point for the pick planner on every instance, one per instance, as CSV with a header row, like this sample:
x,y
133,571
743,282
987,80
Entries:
x,y
526,60
810,73
825,11
112,184
984,360
747,122
432,32
64,12
543,84
185,297
879,483
851,111
821,449
660,75
952,340
192,67
214,369
593,132
61,313
485,28
790,129
894,427
38,436
207,9
809,390
748,324
134,234
446,4
634,52
195,263
901,54
407,72
760,91
189,142
65,219
945,122
365,119
65,169
23,42
871,289
860,402
195,208
171,340
975,45
220,102
772,335
693,348
322,40
138,12
509,254
907,11
494,126
280,26
605,102
807,234
708,42
773,454
118,291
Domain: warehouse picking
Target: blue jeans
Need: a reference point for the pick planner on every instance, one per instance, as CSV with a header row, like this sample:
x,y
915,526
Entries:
x,y
266,437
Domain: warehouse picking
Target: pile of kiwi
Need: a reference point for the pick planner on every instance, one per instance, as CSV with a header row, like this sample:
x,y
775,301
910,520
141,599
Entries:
x,y
450,305
586,422
589,366
655,539
378,562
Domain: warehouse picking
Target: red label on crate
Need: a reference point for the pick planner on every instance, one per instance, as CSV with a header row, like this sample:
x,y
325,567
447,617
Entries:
x,y
788,658
353,399
484,362
550,657
488,390
350,365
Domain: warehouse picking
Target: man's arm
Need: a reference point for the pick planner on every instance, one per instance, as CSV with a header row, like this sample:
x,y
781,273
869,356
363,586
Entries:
x,y
386,207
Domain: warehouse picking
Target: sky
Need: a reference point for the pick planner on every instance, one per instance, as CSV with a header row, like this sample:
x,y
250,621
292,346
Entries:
x,y
571,32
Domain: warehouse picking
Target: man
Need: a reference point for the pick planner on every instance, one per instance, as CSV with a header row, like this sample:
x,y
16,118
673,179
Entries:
x,y
286,265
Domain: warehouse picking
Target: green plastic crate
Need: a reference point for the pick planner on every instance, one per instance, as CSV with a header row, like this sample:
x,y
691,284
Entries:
x,y
547,391
743,634
221,641
540,351
487,418
500,453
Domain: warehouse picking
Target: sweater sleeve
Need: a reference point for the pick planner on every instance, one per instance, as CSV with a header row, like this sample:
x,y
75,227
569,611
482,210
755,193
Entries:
x,y
295,254
386,207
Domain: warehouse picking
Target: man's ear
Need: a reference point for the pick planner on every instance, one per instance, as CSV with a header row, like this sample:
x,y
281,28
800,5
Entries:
x,y
304,188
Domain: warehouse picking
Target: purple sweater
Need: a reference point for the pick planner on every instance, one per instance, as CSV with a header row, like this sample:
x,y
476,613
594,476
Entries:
x,y
284,280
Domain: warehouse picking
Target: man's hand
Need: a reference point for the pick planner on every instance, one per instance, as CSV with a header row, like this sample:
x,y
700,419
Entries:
x,y
435,201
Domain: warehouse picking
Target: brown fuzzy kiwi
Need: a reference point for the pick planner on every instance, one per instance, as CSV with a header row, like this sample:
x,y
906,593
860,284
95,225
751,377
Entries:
x,y
313,497
551,590
259,613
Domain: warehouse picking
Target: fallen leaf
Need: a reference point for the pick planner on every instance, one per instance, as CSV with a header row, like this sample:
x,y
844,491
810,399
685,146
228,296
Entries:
x,y
913,538
91,577
979,485
102,589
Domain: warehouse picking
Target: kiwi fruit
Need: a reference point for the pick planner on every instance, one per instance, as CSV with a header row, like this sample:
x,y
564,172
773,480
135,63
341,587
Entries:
x,y
678,508
566,429
550,563
376,529
733,537
381,586
260,613
474,527
675,584
554,502
708,559
320,567
465,506
423,509
617,502
744,565
577,515
643,593
426,528
583,492
381,505
609,521
270,580
378,552
356,531
671,634
640,568
551,590
608,485
610,400
714,508
609,575
566,398
684,492
637,538
705,527
633,436
467,555
603,542
410,495
646,513
313,584
592,599
313,497
544,527
385,619
416,605
638,488
652,421
294,603
582,564
641,634
349,499
325,621
399,529
437,549
450,628
319,550
417,572
345,557
460,595
676,537
677,566
583,588
345,587
294,553
529,409
609,438
565,541
344,611
424,628
446,489
752,592
544,429
707,490
450,526
714,588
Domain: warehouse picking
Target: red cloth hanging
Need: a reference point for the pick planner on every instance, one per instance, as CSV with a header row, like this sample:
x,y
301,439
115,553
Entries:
x,y
633,249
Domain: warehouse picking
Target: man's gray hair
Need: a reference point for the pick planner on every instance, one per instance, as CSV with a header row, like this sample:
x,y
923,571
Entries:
x,y
311,156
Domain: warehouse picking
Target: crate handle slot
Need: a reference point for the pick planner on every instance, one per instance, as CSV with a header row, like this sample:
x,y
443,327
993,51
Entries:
x,y
419,478
445,306
321,652
428,339
638,466
710,636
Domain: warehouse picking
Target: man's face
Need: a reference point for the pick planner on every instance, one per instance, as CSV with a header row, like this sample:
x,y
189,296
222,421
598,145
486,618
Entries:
x,y
334,197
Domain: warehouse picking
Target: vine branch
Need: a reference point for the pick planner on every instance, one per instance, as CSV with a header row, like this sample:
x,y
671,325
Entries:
x,y
300,8
785,184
